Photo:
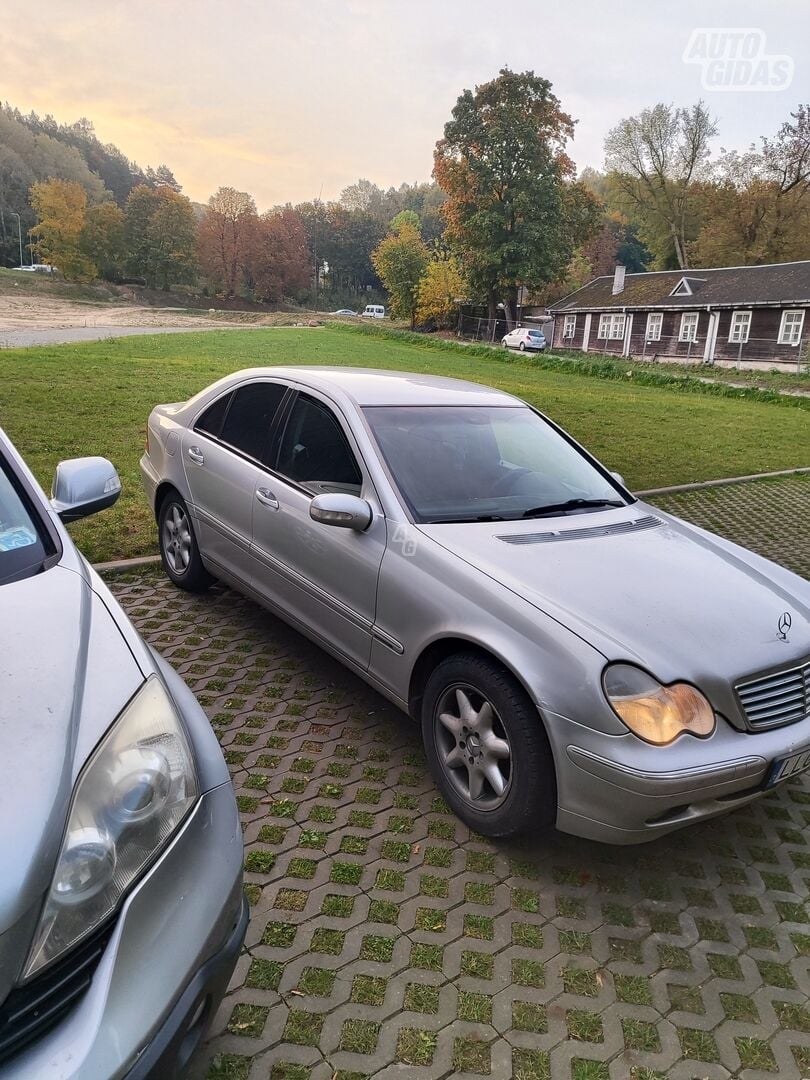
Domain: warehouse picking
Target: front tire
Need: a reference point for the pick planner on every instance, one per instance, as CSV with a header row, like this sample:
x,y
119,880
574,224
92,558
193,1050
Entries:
x,y
487,748
179,551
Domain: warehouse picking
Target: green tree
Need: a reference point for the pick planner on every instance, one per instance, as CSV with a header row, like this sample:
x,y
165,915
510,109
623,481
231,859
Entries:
x,y
161,235
102,239
513,212
441,287
61,209
400,260
655,160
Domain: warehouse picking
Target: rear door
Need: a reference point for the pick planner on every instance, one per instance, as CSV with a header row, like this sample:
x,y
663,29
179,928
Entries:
x,y
321,576
224,455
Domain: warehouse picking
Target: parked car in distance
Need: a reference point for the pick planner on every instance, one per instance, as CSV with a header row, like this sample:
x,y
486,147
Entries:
x,y
524,338
121,905
344,311
573,655
39,268
373,311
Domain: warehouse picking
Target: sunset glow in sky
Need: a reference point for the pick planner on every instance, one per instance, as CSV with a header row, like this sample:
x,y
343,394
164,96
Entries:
x,y
288,101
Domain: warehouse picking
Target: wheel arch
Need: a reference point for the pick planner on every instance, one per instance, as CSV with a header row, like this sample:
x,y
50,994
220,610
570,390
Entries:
x,y
161,491
439,650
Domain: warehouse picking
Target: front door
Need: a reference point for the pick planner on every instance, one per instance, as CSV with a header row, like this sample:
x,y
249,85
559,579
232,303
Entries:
x,y
322,576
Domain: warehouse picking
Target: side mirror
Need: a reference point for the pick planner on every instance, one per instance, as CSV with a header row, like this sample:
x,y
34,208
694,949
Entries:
x,y
344,511
83,486
618,477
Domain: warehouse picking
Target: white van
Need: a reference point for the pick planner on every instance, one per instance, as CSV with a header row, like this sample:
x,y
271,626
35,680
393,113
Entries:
x,y
373,311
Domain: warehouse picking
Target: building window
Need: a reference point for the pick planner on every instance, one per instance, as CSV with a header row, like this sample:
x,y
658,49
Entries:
x,y
569,326
689,326
790,331
655,320
740,327
611,326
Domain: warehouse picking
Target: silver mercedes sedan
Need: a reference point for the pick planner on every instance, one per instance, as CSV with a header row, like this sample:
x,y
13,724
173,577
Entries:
x,y
573,656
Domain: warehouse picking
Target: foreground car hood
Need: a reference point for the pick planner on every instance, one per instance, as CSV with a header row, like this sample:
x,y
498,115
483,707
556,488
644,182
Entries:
x,y
65,674
682,602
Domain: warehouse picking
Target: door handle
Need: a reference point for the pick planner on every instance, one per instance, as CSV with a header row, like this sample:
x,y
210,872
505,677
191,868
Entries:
x,y
196,455
267,498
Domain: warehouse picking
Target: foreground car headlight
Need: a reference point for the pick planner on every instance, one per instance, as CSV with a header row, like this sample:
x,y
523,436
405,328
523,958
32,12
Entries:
x,y
130,797
656,713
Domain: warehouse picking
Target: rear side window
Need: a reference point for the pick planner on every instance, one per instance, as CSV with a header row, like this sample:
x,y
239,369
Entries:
x,y
314,451
250,417
210,423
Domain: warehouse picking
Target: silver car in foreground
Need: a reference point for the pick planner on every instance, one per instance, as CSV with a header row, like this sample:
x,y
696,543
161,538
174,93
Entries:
x,y
573,655
121,906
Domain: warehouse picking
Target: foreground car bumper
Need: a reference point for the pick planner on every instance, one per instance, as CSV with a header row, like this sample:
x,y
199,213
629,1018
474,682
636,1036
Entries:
x,y
617,790
165,967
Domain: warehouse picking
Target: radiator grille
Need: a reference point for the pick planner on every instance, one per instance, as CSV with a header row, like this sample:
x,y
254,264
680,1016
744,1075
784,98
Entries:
x,y
30,1010
777,699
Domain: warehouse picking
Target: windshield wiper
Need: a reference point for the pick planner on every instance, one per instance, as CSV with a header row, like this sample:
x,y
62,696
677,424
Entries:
x,y
464,520
570,504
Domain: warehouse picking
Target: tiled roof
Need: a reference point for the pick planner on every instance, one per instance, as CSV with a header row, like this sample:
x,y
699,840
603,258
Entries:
x,y
777,283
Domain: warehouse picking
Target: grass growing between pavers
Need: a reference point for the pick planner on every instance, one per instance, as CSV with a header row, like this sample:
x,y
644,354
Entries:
x,y
94,398
415,963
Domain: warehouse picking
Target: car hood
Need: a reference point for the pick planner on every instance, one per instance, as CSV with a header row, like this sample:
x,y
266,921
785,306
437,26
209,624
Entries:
x,y
65,674
641,585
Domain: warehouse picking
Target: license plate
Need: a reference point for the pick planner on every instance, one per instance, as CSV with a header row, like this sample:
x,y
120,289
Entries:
x,y
784,768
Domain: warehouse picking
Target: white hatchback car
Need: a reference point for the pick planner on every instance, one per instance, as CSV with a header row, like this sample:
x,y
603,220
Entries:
x,y
524,338
373,311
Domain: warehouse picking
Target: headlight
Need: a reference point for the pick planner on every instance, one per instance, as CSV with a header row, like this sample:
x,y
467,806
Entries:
x,y
656,713
131,796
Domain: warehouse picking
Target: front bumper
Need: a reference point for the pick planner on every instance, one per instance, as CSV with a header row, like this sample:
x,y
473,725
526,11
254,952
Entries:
x,y
167,963
620,790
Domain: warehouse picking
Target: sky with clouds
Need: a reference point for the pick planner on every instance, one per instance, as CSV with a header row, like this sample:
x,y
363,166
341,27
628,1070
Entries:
x,y
289,101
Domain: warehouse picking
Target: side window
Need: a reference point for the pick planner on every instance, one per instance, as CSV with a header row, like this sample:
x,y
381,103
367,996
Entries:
x,y
252,411
314,451
210,423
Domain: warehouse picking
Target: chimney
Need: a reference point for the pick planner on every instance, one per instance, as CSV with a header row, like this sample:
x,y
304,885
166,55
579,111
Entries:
x,y
618,279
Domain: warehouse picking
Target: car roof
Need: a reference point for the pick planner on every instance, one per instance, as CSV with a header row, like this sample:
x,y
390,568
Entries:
x,y
369,386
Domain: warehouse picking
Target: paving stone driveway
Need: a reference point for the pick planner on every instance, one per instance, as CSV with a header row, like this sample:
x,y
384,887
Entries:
x,y
388,940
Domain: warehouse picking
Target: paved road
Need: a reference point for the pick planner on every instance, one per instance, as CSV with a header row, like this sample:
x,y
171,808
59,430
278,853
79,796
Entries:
x,y
387,939
16,339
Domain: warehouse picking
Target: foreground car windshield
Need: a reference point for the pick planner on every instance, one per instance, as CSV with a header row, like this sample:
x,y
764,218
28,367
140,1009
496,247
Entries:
x,y
22,550
479,463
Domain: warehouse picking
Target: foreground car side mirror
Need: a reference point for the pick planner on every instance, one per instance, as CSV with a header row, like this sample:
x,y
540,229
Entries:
x,y
83,486
344,511
618,476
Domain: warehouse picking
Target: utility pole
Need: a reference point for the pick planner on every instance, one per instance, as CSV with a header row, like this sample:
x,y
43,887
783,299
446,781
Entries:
x,y
19,231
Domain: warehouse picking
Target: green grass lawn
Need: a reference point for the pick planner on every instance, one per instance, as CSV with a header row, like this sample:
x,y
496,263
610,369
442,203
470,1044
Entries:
x,y
94,398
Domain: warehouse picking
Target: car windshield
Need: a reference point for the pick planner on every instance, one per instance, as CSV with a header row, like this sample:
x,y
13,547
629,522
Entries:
x,y
479,463
536,333
22,550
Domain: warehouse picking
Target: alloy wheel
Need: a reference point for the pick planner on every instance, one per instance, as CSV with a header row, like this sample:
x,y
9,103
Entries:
x,y
473,746
176,539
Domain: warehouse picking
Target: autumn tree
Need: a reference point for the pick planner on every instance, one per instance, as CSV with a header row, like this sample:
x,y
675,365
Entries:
x,y
102,239
161,236
400,260
226,238
655,160
513,212
280,260
61,209
440,288
757,207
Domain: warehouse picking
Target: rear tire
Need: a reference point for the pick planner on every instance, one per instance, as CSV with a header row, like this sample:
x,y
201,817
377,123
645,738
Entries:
x,y
487,748
179,551
522,346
